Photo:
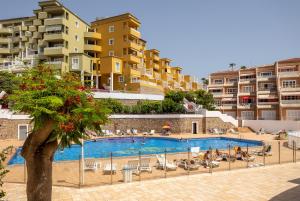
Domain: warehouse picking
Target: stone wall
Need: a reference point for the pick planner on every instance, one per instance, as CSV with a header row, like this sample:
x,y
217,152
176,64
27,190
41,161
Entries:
x,y
9,127
179,125
215,122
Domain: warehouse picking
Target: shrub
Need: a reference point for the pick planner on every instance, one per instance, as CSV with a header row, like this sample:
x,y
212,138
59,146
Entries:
x,y
114,105
170,106
176,96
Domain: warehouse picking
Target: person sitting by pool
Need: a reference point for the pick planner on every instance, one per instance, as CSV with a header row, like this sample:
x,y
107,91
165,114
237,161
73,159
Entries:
x,y
132,131
238,153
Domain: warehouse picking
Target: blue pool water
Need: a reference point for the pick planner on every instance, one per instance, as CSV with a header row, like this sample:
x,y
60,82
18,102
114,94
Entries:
x,y
129,146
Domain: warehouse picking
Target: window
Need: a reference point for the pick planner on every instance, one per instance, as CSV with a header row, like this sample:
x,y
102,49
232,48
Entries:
x,y
293,115
76,49
67,15
135,79
111,41
266,74
67,44
247,115
121,79
75,63
67,30
218,81
111,29
247,89
77,24
111,53
117,67
231,91
217,102
76,38
288,83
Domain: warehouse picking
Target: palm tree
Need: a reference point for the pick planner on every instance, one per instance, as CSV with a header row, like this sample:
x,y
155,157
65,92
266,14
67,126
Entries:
x,y
204,81
232,65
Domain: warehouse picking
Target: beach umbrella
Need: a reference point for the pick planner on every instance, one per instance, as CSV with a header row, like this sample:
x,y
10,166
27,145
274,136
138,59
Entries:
x,y
166,127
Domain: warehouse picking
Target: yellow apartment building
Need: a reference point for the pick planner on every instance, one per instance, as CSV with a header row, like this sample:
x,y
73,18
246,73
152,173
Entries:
x,y
109,54
270,92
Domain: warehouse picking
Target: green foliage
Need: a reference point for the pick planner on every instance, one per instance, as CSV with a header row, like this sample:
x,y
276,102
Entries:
x,y
114,105
170,106
205,99
3,171
46,96
148,107
176,96
8,82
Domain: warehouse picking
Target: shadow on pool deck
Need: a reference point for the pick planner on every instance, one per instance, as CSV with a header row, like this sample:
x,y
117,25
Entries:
x,y
292,194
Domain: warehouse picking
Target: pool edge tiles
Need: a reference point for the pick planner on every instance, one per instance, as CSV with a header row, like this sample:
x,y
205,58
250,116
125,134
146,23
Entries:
x,y
132,146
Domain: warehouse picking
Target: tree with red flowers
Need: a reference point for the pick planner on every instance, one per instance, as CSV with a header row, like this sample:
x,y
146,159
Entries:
x,y
61,110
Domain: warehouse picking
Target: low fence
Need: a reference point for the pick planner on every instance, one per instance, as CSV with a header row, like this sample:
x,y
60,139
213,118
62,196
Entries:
x,y
112,169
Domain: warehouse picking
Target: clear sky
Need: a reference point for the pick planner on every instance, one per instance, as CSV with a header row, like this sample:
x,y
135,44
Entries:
x,y
202,36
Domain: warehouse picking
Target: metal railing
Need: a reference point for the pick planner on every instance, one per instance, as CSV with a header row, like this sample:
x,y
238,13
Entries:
x,y
138,164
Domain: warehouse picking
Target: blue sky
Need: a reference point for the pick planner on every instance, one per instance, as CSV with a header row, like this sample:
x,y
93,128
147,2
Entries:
x,y
201,36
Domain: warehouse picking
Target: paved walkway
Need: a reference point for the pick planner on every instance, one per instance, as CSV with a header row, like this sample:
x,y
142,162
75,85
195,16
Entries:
x,y
276,183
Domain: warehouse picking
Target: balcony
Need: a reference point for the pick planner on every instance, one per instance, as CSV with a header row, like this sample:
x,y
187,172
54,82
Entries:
x,y
293,88
32,28
42,29
156,57
267,105
132,58
229,84
24,28
5,40
133,45
247,80
229,95
228,106
42,15
55,36
55,64
37,22
246,106
52,51
92,48
246,93
289,74
5,51
134,32
134,72
92,35
217,94
262,90
54,21
265,77
37,35
290,103
6,30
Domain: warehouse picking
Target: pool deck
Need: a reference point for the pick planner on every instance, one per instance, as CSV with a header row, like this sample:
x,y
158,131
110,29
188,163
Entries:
x,y
199,185
275,183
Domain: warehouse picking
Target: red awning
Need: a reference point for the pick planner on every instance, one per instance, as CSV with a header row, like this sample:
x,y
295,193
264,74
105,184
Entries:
x,y
245,97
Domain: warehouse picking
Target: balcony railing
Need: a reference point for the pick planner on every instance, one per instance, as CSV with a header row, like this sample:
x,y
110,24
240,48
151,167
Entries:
x,y
272,89
297,101
247,79
289,74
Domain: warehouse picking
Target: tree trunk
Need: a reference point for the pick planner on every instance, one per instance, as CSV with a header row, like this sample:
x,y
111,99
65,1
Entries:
x,y
39,182
38,154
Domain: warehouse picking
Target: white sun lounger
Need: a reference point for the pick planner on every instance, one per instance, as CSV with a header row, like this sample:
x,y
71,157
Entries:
x,y
145,165
163,164
108,168
91,164
133,165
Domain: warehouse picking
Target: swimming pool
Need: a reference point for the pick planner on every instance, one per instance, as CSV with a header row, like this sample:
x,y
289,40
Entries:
x,y
131,146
